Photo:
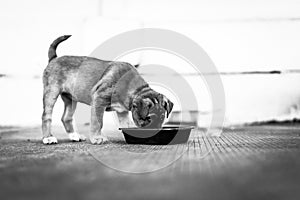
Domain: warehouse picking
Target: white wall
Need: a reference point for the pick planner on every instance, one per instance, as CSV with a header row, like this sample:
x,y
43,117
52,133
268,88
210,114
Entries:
x,y
238,35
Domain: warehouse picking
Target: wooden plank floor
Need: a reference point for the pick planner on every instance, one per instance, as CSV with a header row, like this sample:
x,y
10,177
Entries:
x,y
258,162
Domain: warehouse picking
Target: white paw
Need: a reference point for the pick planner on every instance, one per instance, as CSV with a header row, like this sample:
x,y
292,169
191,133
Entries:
x,y
76,137
98,139
50,140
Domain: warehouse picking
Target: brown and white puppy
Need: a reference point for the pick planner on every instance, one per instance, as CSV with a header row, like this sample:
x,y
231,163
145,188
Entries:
x,y
105,86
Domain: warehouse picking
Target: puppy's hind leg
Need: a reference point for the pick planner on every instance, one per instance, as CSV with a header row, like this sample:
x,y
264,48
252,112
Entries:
x,y
49,99
67,118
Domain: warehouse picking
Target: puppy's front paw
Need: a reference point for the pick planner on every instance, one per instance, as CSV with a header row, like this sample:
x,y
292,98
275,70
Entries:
x,y
76,137
98,139
50,140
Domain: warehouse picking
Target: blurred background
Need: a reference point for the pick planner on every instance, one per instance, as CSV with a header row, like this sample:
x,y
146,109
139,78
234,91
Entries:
x,y
253,43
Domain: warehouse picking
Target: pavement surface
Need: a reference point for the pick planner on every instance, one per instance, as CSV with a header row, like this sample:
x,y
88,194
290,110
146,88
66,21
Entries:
x,y
253,162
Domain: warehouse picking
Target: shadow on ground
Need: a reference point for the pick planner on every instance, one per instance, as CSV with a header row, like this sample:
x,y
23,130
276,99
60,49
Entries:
x,y
257,162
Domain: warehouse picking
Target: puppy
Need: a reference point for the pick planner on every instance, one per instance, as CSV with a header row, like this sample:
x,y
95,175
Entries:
x,y
105,86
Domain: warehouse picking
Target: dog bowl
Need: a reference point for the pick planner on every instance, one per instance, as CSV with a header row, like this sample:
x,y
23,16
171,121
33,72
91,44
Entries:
x,y
162,136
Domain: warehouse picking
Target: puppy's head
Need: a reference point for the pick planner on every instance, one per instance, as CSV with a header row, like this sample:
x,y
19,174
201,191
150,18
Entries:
x,y
150,111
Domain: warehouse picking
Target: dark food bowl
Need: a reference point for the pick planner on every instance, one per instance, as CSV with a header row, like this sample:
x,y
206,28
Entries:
x,y
163,136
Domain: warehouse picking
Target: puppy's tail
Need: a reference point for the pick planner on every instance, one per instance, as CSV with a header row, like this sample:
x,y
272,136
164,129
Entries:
x,y
53,46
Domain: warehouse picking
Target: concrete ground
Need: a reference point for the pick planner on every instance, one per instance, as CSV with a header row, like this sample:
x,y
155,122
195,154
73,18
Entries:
x,y
254,162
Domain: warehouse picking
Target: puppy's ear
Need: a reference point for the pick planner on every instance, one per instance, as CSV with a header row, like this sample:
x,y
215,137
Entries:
x,y
168,106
